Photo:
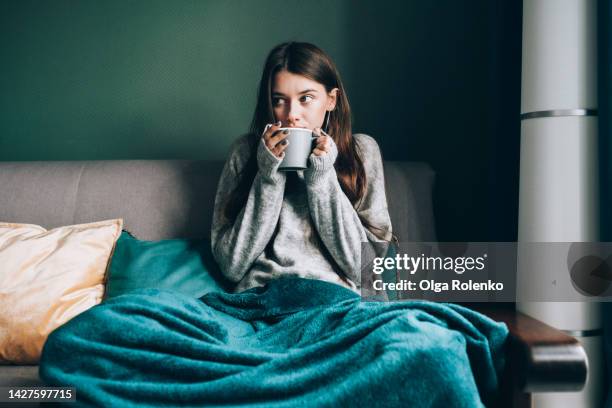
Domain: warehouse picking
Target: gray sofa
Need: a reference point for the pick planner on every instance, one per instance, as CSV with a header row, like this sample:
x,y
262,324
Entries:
x,y
172,199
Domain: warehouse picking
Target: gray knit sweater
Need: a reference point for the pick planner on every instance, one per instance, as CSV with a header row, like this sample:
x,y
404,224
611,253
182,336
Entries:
x,y
298,223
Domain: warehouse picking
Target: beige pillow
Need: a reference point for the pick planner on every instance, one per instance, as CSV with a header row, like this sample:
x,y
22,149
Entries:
x,y
46,279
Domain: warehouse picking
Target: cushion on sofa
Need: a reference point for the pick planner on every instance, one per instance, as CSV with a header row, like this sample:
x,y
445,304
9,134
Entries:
x,y
183,265
47,278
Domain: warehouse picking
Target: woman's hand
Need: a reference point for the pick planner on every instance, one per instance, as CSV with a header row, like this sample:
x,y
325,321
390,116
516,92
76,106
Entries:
x,y
323,142
274,139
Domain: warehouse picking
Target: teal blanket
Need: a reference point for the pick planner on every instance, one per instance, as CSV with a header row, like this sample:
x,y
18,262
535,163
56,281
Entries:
x,y
293,343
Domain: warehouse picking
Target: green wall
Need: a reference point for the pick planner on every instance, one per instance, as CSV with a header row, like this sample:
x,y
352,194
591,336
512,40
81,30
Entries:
x,y
141,79
177,79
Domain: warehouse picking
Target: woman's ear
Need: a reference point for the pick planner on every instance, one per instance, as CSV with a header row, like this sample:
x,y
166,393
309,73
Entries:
x,y
333,97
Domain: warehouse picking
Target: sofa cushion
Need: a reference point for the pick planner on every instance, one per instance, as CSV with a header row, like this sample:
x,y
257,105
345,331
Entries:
x,y
47,278
161,199
182,265
20,376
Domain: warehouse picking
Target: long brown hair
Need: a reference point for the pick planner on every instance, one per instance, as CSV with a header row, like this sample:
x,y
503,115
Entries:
x,y
313,63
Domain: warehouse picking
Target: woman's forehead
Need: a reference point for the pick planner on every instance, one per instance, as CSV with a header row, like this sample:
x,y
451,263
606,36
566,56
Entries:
x,y
288,83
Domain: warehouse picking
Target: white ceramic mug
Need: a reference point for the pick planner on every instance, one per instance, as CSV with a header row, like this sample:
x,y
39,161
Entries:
x,y
299,149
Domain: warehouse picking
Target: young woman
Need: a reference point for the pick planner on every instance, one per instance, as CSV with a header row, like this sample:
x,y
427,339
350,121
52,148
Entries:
x,y
286,342
311,224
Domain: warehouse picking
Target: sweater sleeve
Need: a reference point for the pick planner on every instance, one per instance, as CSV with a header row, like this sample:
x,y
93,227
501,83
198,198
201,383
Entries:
x,y
335,218
236,245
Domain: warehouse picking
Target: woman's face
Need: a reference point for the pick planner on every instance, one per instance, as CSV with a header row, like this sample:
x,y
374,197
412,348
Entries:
x,y
300,102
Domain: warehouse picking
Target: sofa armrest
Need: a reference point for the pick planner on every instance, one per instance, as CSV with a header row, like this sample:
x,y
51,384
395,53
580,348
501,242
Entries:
x,y
540,358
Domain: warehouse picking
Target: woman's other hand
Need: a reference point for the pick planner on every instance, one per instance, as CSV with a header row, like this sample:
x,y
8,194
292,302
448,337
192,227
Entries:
x,y
323,157
274,139
323,142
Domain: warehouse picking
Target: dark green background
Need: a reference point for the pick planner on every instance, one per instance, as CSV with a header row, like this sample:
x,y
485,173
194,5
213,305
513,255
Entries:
x,y
435,81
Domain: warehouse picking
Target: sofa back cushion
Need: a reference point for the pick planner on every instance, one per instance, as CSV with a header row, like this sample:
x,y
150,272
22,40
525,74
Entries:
x,y
163,199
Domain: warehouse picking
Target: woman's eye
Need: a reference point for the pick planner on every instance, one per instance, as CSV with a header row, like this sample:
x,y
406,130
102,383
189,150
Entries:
x,y
306,98
277,101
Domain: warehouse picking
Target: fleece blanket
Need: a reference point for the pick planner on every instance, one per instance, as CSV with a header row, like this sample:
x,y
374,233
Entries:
x,y
294,343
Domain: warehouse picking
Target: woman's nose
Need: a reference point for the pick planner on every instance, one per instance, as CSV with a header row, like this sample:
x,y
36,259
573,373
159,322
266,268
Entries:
x,y
293,116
